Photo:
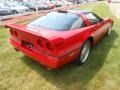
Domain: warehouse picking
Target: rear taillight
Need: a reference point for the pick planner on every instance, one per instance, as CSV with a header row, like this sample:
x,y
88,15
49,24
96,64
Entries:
x,y
40,43
49,46
13,32
43,43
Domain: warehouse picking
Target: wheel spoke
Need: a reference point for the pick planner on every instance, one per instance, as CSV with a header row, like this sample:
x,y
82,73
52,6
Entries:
x,y
85,52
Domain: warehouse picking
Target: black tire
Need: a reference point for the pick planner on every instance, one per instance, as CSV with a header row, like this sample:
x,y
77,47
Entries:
x,y
14,12
32,9
84,54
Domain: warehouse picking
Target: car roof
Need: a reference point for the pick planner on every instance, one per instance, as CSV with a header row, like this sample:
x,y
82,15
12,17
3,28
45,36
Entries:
x,y
80,11
75,11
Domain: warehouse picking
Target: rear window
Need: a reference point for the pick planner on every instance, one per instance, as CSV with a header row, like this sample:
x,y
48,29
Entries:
x,y
55,21
93,18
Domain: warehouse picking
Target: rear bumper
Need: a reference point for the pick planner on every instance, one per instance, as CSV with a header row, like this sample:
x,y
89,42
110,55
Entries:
x,y
44,59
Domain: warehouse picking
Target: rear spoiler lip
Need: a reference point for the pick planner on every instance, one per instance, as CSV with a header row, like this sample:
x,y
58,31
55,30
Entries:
x,y
53,41
7,25
20,27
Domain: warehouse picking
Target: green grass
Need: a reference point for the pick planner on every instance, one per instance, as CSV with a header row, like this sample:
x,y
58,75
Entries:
x,y
100,72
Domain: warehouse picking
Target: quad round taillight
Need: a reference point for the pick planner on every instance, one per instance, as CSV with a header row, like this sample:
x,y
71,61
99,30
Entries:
x,y
14,33
39,42
49,47
43,43
11,32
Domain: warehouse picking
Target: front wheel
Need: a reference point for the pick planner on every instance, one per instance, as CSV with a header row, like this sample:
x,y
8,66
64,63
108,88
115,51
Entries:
x,y
109,30
84,53
14,12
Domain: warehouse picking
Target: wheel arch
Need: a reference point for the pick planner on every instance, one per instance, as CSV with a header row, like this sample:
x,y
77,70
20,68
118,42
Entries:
x,y
91,39
15,11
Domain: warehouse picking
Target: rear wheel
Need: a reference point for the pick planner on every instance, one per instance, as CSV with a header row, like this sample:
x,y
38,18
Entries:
x,y
32,9
109,30
84,53
15,12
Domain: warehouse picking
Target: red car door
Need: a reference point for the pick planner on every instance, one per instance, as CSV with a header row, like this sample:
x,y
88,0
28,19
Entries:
x,y
101,31
100,26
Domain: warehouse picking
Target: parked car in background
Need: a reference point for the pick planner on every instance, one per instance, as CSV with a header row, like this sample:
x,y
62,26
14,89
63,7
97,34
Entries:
x,y
57,3
4,10
91,0
67,3
115,1
52,6
16,8
49,4
31,5
82,1
42,6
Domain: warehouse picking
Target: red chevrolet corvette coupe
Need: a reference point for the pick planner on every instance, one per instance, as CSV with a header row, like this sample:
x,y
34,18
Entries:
x,y
60,37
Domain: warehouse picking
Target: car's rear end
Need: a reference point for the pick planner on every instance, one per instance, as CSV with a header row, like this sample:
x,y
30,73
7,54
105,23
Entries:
x,y
50,39
46,51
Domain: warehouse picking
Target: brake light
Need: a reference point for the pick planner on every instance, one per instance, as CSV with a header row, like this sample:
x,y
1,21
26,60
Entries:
x,y
49,47
13,32
40,43
43,43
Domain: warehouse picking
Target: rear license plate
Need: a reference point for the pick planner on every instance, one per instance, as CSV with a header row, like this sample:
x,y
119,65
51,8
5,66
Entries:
x,y
27,44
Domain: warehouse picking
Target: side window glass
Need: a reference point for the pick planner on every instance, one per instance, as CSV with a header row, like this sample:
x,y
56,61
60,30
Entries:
x,y
92,18
78,24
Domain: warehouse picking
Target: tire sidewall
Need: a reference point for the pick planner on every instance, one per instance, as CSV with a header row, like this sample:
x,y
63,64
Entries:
x,y
79,61
15,12
109,30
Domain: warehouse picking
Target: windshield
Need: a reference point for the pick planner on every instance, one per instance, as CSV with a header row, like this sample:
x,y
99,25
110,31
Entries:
x,y
12,4
55,21
29,3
